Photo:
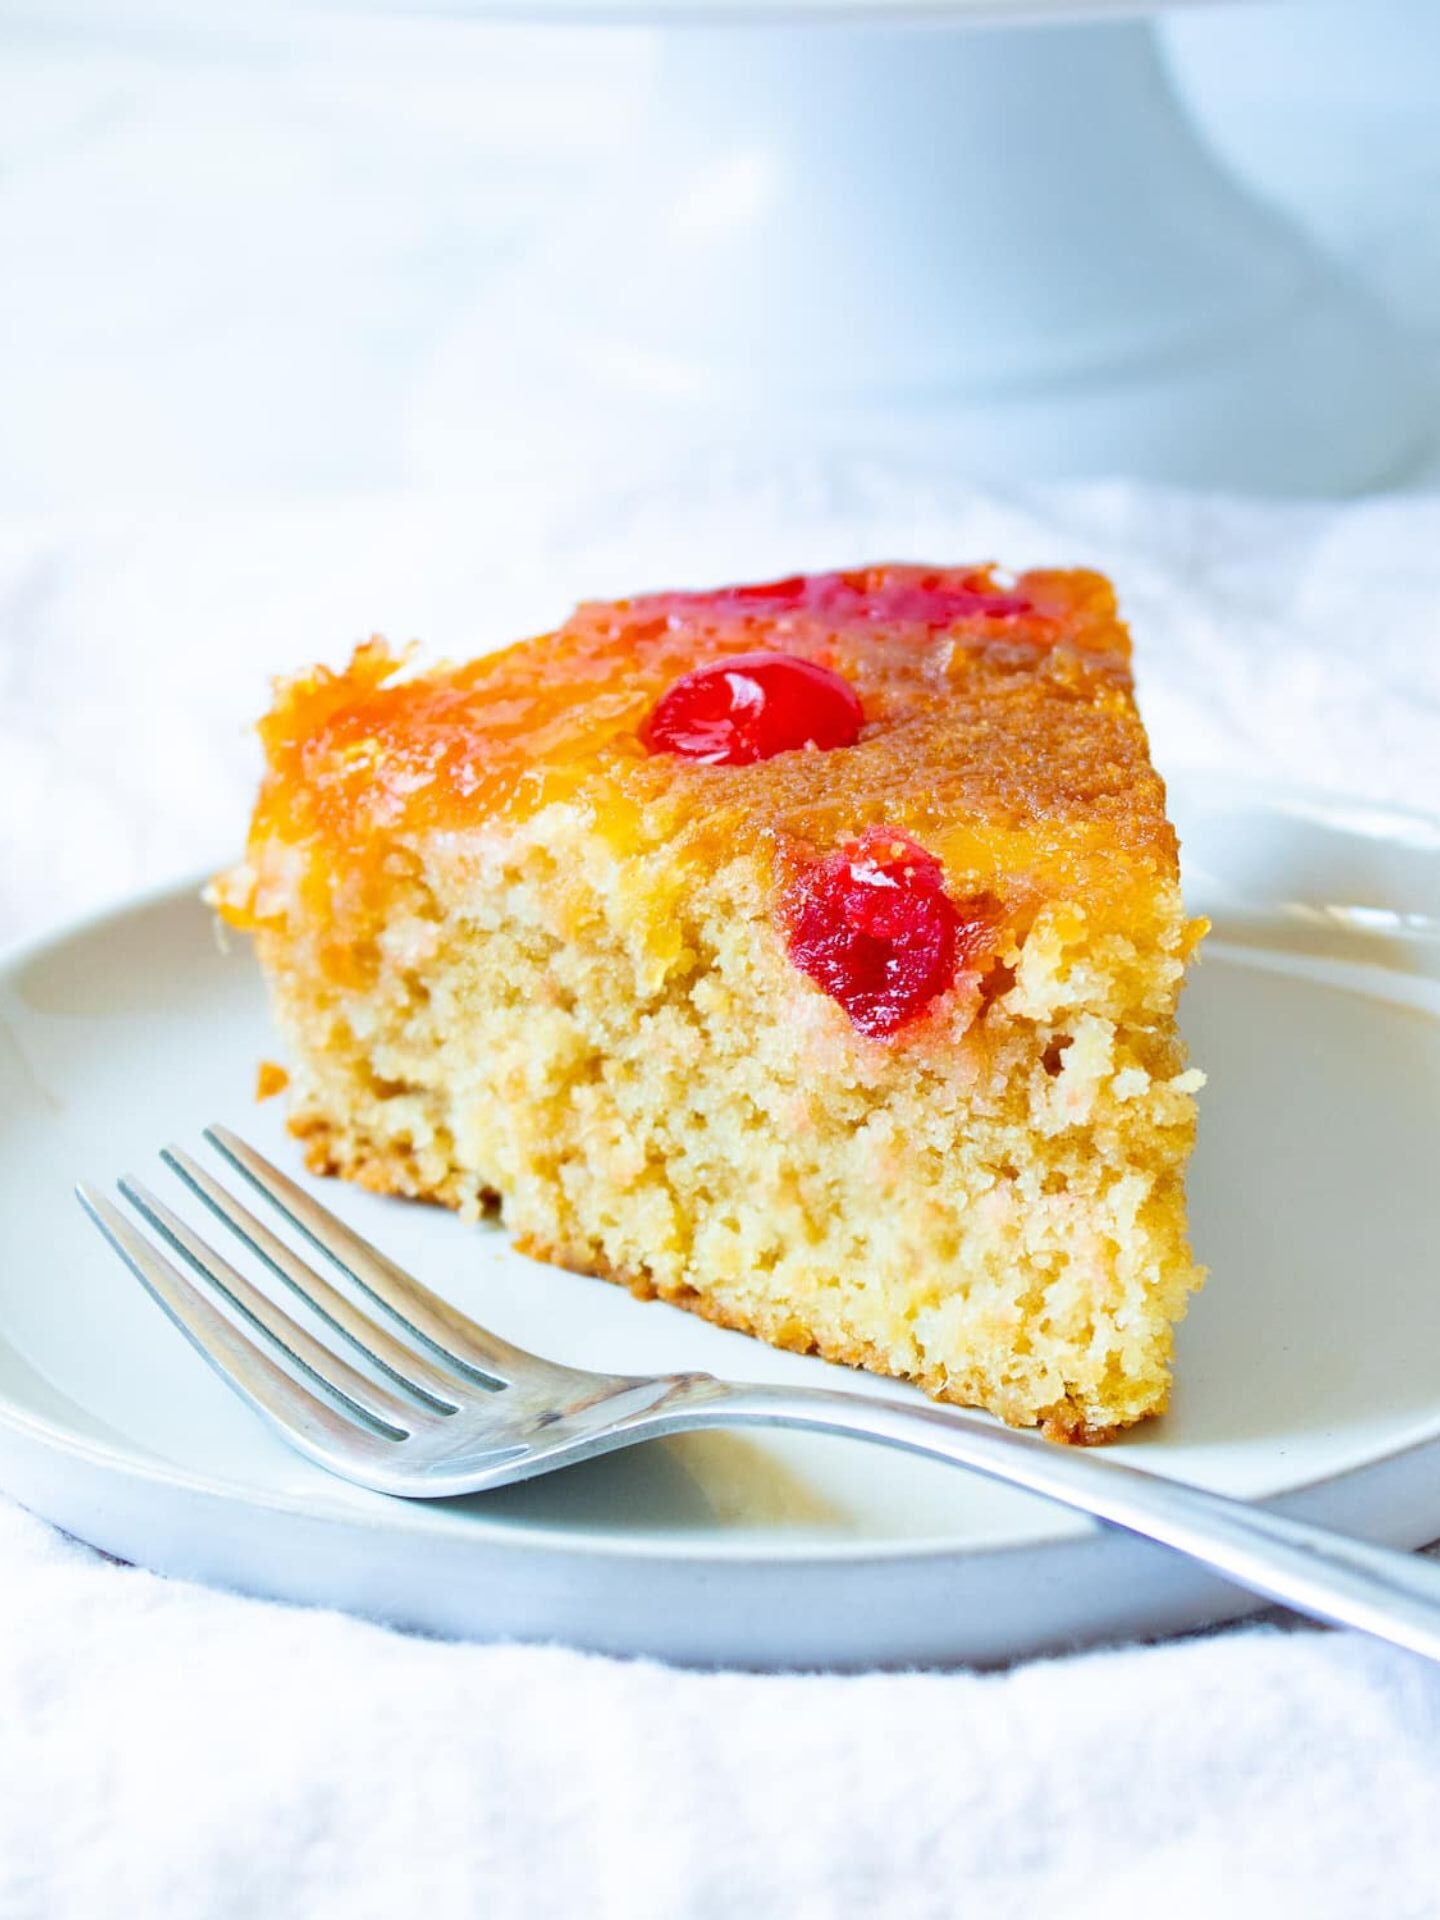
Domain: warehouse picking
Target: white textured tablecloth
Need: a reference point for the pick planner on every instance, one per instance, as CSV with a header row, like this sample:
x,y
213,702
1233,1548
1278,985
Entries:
x,y
168,1751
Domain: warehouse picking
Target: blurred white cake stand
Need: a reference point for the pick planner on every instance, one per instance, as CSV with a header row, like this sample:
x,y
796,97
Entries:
x,y
969,231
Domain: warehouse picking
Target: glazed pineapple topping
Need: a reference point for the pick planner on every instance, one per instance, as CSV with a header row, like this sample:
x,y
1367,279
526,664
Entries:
x,y
805,954
928,596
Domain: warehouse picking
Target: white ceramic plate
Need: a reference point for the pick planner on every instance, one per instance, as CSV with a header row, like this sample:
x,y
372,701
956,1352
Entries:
x,y
1309,1369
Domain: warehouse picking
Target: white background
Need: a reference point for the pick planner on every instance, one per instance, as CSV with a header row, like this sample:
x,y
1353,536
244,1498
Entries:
x,y
234,243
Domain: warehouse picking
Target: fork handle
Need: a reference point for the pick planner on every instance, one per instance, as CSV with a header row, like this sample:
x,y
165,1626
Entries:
x,y
1393,1595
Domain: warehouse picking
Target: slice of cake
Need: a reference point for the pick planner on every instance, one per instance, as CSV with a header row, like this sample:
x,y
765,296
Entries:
x,y
804,954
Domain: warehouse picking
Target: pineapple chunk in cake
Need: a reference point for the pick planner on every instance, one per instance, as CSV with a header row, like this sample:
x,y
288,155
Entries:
x,y
803,954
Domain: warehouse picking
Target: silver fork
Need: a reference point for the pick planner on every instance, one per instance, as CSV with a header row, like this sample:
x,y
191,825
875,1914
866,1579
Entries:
x,y
451,1409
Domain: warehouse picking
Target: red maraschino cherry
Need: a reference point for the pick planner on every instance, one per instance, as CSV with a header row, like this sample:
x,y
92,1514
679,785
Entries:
x,y
873,926
752,706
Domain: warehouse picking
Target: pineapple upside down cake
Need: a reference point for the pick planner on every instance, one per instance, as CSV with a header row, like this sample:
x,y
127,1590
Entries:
x,y
804,954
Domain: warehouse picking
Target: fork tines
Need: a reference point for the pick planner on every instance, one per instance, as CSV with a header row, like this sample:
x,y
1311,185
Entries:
x,y
428,1360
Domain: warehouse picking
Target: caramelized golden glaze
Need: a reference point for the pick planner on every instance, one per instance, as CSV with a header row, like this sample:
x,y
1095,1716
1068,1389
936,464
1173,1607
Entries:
x,y
1000,733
